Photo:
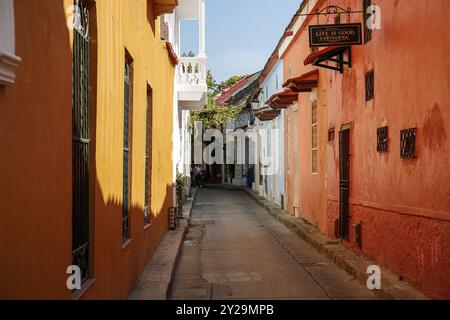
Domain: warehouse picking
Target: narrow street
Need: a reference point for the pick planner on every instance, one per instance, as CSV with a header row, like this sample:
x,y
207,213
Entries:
x,y
236,250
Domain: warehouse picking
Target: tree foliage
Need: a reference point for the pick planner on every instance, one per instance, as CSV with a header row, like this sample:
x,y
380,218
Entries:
x,y
214,116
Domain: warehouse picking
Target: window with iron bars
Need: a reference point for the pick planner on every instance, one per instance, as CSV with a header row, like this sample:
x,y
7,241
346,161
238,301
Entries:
x,y
337,19
366,16
370,85
408,143
148,157
127,144
382,139
331,134
314,141
81,236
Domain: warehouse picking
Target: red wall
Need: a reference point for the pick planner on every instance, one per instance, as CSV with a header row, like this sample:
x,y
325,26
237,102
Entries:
x,y
404,205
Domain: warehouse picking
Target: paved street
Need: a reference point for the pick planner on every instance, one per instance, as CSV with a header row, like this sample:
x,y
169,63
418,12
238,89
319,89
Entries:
x,y
235,250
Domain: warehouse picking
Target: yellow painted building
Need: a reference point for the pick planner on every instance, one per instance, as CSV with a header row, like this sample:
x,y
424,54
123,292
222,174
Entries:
x,y
62,185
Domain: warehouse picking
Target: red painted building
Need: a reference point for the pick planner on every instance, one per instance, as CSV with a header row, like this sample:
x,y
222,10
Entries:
x,y
383,127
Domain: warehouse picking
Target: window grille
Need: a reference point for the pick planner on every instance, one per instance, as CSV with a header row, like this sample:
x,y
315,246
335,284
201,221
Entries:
x,y
80,146
366,17
288,142
337,19
314,141
382,139
370,85
127,149
331,134
408,143
148,157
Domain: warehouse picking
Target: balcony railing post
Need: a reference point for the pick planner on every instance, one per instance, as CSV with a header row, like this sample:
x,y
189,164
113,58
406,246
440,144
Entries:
x,y
192,70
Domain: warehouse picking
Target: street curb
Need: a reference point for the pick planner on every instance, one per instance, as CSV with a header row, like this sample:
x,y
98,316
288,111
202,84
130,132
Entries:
x,y
187,222
392,288
155,282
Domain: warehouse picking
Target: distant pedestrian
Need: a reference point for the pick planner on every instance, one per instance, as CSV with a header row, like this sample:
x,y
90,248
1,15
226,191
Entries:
x,y
198,171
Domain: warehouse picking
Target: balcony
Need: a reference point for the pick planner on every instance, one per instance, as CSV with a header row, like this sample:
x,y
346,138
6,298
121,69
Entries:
x,y
190,76
191,82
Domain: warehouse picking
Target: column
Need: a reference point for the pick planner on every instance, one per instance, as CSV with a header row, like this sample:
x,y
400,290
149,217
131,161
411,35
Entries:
x,y
201,21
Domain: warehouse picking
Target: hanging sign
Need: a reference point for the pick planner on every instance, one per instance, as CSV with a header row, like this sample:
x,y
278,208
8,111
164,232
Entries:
x,y
335,35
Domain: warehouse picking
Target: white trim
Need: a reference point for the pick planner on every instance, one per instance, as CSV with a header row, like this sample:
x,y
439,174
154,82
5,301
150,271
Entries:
x,y
8,60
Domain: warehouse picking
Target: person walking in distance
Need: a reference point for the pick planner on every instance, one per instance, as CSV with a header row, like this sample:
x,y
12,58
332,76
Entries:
x,y
198,176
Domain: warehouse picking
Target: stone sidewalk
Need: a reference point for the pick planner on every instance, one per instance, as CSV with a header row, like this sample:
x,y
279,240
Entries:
x,y
235,250
392,287
156,279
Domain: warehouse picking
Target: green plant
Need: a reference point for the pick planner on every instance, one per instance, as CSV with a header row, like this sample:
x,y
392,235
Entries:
x,y
182,186
214,116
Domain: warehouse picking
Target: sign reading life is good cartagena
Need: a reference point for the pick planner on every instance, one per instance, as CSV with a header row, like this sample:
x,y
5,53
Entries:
x,y
335,35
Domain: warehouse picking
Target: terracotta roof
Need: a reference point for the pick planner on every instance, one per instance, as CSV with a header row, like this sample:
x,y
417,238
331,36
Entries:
x,y
282,99
221,100
267,114
225,96
172,55
327,51
304,83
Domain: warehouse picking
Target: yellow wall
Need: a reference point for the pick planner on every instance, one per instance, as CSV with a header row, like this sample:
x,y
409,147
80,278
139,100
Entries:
x,y
124,25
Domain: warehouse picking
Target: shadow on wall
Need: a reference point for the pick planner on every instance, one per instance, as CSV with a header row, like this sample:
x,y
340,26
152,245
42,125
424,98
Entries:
x,y
115,265
36,175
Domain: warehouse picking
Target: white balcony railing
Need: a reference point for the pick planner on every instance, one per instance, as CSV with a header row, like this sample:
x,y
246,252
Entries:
x,y
192,71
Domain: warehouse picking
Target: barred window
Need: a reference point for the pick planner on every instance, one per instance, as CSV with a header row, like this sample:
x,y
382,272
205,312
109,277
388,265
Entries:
x,y
314,141
382,139
288,142
337,19
331,134
408,143
370,85
81,142
127,144
366,17
148,157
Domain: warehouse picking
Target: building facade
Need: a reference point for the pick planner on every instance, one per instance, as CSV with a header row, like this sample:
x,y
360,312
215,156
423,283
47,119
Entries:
x,y
269,175
191,90
305,123
391,123
366,142
87,119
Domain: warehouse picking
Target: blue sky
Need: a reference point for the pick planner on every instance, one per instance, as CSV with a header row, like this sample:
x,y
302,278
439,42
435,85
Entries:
x,y
240,34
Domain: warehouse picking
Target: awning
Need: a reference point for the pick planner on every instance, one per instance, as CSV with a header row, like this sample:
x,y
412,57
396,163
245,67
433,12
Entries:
x,y
267,114
304,83
330,54
282,100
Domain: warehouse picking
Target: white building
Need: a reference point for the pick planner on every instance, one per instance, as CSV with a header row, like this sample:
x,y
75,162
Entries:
x,y
269,122
191,90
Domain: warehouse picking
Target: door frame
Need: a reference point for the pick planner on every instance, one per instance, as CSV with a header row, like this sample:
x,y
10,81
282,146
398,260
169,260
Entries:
x,y
344,182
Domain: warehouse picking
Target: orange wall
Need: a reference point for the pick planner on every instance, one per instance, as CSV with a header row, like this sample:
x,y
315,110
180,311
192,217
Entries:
x,y
312,186
404,205
36,139
35,157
